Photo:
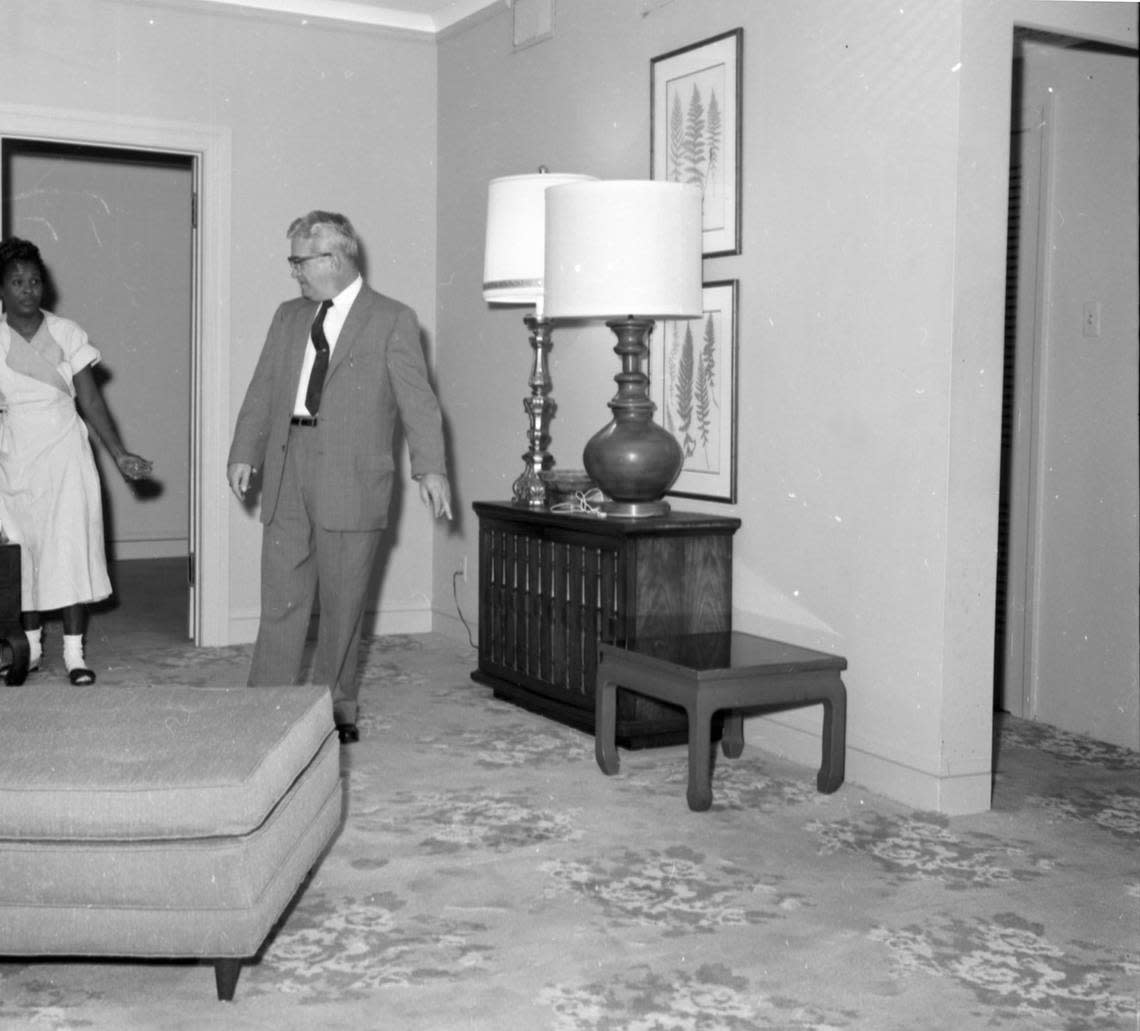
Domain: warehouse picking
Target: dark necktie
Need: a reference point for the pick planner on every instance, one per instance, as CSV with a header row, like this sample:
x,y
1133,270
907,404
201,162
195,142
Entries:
x,y
320,362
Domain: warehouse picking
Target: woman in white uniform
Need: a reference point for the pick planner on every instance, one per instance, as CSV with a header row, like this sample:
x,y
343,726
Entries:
x,y
49,487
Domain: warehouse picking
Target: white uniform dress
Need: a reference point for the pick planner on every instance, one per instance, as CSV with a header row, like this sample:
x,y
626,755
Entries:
x,y
50,500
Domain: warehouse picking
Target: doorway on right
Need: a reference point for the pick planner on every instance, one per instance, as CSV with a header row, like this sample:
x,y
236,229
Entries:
x,y
1067,634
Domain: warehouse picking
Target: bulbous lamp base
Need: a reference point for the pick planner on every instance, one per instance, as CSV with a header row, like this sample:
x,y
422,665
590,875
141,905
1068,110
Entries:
x,y
633,460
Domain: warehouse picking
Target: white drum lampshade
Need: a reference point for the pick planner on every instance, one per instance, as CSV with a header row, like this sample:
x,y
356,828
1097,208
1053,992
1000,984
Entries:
x,y
623,247
513,258
514,249
628,251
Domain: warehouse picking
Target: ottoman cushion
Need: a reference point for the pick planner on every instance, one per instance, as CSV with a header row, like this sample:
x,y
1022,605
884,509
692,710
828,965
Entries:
x,y
160,821
131,763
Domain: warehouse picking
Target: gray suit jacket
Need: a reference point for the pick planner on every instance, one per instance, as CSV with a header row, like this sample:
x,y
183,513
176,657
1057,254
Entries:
x,y
376,372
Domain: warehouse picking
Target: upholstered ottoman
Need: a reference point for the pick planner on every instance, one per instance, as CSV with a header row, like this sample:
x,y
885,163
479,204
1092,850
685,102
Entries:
x,y
168,822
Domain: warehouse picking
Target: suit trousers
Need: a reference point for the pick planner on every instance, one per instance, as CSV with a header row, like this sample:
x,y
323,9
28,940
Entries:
x,y
300,561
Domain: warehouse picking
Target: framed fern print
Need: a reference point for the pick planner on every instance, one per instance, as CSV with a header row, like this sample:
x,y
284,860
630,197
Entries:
x,y
695,129
692,380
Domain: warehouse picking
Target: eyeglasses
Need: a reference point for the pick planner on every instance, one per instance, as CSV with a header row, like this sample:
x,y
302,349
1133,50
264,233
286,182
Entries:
x,y
298,263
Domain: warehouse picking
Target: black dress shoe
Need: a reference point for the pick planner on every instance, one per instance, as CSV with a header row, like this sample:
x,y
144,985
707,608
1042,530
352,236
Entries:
x,y
347,733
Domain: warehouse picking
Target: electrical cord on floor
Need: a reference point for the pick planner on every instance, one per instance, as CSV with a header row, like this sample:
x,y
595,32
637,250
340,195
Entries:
x,y
455,593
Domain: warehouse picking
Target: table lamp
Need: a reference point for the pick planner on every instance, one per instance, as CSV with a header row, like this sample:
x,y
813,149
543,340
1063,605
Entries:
x,y
628,251
513,274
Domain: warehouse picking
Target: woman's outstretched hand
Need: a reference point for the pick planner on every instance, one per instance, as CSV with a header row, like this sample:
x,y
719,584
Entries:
x,y
133,467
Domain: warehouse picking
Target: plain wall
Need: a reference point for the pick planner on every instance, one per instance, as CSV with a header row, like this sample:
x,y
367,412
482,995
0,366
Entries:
x,y
871,307
322,114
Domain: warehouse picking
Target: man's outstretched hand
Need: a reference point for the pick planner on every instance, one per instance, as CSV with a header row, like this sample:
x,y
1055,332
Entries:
x,y
435,492
239,474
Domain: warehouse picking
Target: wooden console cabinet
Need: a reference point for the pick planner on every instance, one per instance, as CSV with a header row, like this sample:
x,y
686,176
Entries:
x,y
553,585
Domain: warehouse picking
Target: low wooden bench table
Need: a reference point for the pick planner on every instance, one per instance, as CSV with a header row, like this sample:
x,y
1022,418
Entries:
x,y
730,671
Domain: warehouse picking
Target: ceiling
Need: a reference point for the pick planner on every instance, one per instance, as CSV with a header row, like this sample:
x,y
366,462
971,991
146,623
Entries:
x,y
428,16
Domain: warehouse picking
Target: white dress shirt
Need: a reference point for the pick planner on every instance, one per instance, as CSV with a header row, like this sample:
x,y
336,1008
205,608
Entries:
x,y
333,324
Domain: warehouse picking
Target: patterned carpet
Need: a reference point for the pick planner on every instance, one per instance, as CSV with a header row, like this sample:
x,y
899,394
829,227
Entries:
x,y
488,876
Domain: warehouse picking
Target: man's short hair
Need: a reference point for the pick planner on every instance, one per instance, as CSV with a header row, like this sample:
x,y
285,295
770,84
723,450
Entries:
x,y
329,226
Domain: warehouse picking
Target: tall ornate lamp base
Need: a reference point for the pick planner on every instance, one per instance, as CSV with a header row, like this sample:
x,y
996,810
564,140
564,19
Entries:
x,y
633,460
529,489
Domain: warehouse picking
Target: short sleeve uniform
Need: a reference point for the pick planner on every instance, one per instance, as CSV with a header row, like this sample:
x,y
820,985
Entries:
x,y
50,499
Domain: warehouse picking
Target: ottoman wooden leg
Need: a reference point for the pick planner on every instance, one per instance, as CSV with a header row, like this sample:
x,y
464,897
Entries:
x,y
605,725
226,973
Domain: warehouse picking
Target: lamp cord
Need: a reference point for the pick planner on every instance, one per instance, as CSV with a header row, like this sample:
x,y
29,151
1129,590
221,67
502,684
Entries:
x,y
455,593
583,501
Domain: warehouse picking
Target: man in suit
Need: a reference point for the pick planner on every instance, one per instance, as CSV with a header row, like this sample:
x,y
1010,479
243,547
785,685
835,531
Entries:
x,y
339,365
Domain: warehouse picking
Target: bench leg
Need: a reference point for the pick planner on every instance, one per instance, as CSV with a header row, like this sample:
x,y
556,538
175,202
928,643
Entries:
x,y
732,739
605,725
226,973
831,770
700,758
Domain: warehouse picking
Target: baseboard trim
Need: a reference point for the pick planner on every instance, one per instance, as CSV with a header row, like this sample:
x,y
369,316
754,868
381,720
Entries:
x,y
122,551
243,626
955,795
398,621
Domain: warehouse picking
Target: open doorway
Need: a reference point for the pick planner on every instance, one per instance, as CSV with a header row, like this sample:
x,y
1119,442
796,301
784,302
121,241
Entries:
x,y
116,229
1067,641
210,148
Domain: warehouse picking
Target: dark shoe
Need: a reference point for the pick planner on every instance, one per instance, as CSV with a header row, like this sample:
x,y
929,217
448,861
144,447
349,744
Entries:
x,y
81,675
347,733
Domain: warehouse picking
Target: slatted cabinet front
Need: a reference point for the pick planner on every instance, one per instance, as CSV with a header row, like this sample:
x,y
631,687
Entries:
x,y
552,586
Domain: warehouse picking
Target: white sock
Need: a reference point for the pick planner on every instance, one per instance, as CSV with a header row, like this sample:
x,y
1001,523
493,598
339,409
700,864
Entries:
x,y
73,652
35,646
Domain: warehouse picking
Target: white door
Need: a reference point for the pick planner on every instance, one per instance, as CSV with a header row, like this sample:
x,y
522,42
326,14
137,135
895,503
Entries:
x,y
1072,646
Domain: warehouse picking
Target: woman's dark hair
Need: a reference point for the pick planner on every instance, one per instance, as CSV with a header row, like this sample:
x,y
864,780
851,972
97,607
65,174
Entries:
x,y
14,249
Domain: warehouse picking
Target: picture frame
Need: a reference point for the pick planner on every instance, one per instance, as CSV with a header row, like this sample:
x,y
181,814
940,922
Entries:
x,y
695,130
692,381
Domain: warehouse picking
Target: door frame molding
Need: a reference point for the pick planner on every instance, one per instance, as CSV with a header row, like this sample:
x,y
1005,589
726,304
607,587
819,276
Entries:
x,y
211,148
1021,647
1037,390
